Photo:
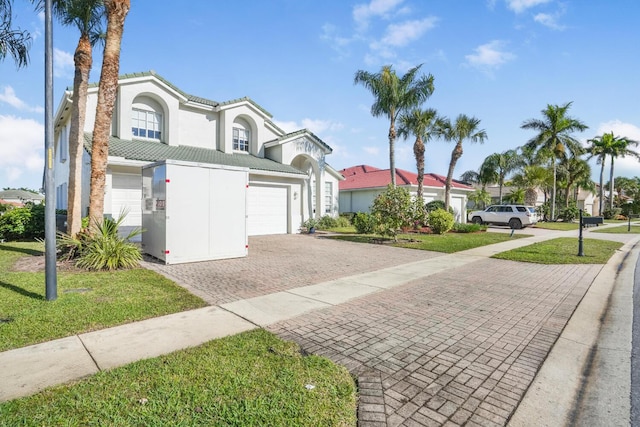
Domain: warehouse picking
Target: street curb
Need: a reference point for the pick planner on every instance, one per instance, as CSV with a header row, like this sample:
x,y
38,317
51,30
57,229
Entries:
x,y
557,387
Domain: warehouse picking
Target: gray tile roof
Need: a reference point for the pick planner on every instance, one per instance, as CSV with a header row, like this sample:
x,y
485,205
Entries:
x,y
20,195
150,151
192,98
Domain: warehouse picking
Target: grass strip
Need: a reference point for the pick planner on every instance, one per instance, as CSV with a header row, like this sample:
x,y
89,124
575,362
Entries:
x,y
622,229
448,242
250,379
563,250
87,301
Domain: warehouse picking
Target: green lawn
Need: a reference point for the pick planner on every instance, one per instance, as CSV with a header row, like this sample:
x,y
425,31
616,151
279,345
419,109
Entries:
x,y
563,226
563,250
622,229
449,242
250,379
86,300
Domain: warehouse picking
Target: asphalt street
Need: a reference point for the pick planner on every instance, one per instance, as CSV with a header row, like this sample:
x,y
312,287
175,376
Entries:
x,y
635,351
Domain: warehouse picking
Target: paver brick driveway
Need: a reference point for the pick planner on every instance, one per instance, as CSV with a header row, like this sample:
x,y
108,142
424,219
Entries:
x,y
456,348
281,262
459,347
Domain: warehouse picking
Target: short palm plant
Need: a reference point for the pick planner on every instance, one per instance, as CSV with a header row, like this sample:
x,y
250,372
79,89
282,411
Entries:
x,y
101,248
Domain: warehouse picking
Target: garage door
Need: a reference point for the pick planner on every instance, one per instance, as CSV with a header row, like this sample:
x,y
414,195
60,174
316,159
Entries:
x,y
126,193
266,210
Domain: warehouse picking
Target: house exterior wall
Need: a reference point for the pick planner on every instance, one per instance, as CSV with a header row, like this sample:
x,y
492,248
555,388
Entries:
x,y
186,121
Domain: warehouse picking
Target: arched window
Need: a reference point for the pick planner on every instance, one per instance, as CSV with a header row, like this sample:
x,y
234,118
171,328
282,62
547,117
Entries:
x,y
146,119
241,135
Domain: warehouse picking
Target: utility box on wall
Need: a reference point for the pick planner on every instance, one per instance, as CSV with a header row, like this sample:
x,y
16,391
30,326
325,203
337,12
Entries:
x,y
194,211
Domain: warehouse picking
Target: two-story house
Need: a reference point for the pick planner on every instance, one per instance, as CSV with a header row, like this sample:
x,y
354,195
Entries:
x,y
153,120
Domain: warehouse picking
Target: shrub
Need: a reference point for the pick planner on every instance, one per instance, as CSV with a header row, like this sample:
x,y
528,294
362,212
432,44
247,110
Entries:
x,y
570,213
101,248
440,221
611,213
392,211
364,223
419,214
459,227
326,222
23,223
310,223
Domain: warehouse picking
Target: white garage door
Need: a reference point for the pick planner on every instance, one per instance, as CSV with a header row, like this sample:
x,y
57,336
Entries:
x,y
266,210
126,193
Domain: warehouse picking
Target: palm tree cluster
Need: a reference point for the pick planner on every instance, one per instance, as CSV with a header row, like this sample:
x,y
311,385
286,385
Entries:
x,y
400,99
565,158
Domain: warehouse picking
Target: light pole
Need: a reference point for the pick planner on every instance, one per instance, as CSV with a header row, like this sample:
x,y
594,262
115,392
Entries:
x,y
51,286
580,248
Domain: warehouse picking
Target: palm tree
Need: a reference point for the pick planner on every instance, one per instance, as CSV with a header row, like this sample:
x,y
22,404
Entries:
x,y
422,124
609,145
87,16
530,178
554,137
463,128
393,96
13,42
470,177
620,149
480,198
575,171
107,87
497,166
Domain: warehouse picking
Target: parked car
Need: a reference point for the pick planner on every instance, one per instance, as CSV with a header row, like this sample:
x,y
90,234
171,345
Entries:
x,y
515,216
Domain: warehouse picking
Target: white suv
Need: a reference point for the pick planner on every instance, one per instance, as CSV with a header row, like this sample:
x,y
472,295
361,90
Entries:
x,y
515,216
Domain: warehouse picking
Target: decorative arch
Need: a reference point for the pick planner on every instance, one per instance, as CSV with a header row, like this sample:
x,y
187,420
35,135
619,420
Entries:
x,y
149,117
246,122
312,188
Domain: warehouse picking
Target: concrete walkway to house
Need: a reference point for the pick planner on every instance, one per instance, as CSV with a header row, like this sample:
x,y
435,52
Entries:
x,y
433,339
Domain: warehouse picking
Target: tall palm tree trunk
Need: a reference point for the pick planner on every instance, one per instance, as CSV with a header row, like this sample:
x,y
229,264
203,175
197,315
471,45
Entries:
x,y
82,60
455,155
611,185
553,192
392,156
418,151
601,189
107,90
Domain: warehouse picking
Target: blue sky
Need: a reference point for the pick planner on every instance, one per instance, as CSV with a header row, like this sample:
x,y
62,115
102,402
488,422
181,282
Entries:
x,y
501,61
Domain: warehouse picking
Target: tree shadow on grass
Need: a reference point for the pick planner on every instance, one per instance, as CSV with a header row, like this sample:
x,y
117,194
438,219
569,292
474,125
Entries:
x,y
21,291
27,251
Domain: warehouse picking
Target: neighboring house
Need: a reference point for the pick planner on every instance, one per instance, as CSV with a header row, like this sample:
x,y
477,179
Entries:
x,y
363,183
153,120
20,197
587,200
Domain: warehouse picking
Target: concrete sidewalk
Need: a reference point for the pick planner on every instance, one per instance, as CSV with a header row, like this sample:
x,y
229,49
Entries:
x,y
75,357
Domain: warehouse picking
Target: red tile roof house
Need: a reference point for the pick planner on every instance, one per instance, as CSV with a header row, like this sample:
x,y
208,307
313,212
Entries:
x,y
363,183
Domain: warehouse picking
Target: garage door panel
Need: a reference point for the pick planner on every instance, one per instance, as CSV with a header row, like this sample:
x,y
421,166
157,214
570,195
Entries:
x,y
126,194
266,210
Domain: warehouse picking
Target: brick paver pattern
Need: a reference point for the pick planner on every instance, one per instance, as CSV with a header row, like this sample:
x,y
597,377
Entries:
x,y
279,263
457,348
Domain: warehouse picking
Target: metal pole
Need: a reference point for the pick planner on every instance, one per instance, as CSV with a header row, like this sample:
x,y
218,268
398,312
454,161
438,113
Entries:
x,y
629,225
580,246
51,286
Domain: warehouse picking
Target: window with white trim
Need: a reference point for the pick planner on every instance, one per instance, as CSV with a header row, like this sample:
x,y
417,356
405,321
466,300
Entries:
x,y
240,139
328,198
63,144
146,124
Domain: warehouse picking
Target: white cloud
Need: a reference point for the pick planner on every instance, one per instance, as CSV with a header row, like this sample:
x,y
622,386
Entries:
x,y
8,95
21,151
551,20
519,6
337,42
362,13
374,151
316,126
399,35
63,65
490,56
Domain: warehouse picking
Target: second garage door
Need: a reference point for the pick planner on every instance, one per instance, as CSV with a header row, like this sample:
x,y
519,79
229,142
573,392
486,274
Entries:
x,y
266,210
126,193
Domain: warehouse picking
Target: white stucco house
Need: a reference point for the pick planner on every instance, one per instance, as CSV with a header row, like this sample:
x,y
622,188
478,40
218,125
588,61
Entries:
x,y
289,178
363,183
